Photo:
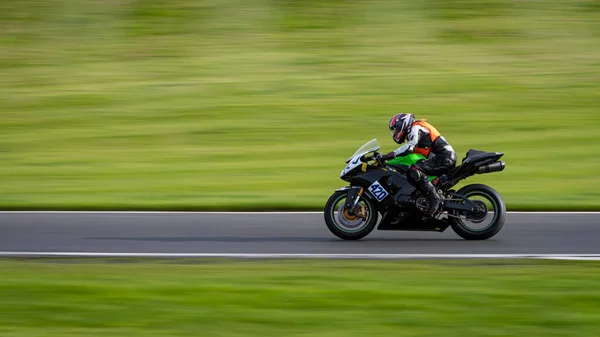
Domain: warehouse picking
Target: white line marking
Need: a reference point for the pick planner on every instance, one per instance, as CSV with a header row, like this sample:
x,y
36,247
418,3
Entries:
x,y
157,212
572,258
258,213
307,256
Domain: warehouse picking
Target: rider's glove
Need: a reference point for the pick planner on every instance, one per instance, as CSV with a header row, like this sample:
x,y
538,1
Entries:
x,y
385,157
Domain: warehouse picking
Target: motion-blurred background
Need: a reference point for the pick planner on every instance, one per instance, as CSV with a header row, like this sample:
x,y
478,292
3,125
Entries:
x,y
254,104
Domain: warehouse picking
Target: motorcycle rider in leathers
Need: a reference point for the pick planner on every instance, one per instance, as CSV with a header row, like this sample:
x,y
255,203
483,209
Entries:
x,y
423,139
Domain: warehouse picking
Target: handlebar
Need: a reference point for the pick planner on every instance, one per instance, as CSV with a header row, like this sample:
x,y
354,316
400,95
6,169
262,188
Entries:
x,y
365,159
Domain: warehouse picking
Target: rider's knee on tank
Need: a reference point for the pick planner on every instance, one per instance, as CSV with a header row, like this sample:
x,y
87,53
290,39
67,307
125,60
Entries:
x,y
416,175
451,159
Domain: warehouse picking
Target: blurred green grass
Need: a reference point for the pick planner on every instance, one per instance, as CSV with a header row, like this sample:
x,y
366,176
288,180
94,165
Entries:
x,y
299,298
248,104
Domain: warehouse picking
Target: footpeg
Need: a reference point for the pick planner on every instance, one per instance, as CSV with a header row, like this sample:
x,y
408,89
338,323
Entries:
x,y
438,215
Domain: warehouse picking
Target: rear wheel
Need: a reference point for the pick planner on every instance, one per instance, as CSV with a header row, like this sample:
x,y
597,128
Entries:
x,y
488,218
346,225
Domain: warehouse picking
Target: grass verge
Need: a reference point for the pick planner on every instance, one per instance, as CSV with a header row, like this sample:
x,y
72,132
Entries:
x,y
71,297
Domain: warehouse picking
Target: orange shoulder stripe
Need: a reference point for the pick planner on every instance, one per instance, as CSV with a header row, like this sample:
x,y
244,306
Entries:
x,y
433,132
433,135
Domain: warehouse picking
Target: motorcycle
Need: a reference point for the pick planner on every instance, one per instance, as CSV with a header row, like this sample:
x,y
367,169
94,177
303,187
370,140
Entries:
x,y
382,188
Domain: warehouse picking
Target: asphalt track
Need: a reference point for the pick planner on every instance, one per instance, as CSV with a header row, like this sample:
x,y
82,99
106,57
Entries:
x,y
276,233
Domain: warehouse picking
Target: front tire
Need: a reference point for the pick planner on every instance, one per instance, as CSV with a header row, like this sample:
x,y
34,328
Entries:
x,y
494,200
347,227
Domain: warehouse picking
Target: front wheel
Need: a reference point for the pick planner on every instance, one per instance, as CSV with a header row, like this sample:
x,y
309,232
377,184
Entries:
x,y
488,218
349,226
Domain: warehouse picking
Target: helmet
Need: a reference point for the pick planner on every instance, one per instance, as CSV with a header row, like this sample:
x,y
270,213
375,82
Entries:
x,y
400,125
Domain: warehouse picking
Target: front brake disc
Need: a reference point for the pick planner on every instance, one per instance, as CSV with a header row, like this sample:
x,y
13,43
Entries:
x,y
351,221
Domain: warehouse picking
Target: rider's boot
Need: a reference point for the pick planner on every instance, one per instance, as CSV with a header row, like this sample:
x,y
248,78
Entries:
x,y
435,200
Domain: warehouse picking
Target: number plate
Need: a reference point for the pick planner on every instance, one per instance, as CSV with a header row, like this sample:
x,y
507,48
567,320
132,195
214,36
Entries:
x,y
378,191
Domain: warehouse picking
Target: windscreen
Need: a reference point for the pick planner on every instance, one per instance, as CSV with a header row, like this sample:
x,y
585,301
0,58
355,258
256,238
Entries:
x,y
368,147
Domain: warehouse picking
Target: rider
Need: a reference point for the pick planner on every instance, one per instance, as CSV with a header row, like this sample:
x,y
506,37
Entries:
x,y
423,139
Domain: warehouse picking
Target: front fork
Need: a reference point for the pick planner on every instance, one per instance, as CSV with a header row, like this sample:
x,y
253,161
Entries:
x,y
352,198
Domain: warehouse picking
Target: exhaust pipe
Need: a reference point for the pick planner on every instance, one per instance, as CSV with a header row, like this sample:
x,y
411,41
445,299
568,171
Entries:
x,y
493,167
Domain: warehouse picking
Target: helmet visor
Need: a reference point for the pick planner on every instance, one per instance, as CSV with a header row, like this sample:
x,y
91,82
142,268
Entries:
x,y
398,136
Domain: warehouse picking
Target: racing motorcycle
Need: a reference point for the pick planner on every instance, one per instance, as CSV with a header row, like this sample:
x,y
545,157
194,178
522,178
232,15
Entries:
x,y
475,212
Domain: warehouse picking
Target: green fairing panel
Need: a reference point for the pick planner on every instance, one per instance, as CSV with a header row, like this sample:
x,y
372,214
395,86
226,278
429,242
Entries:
x,y
409,160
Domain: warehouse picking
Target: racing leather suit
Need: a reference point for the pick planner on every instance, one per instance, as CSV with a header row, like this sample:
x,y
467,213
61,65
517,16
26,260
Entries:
x,y
424,139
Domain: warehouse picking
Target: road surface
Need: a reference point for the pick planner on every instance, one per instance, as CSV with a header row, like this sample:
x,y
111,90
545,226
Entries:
x,y
114,232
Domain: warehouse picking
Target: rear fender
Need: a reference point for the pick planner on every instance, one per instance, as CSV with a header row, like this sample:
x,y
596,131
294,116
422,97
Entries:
x,y
466,170
484,162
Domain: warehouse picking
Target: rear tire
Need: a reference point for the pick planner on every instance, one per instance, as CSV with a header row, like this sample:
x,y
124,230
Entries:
x,y
499,215
356,232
